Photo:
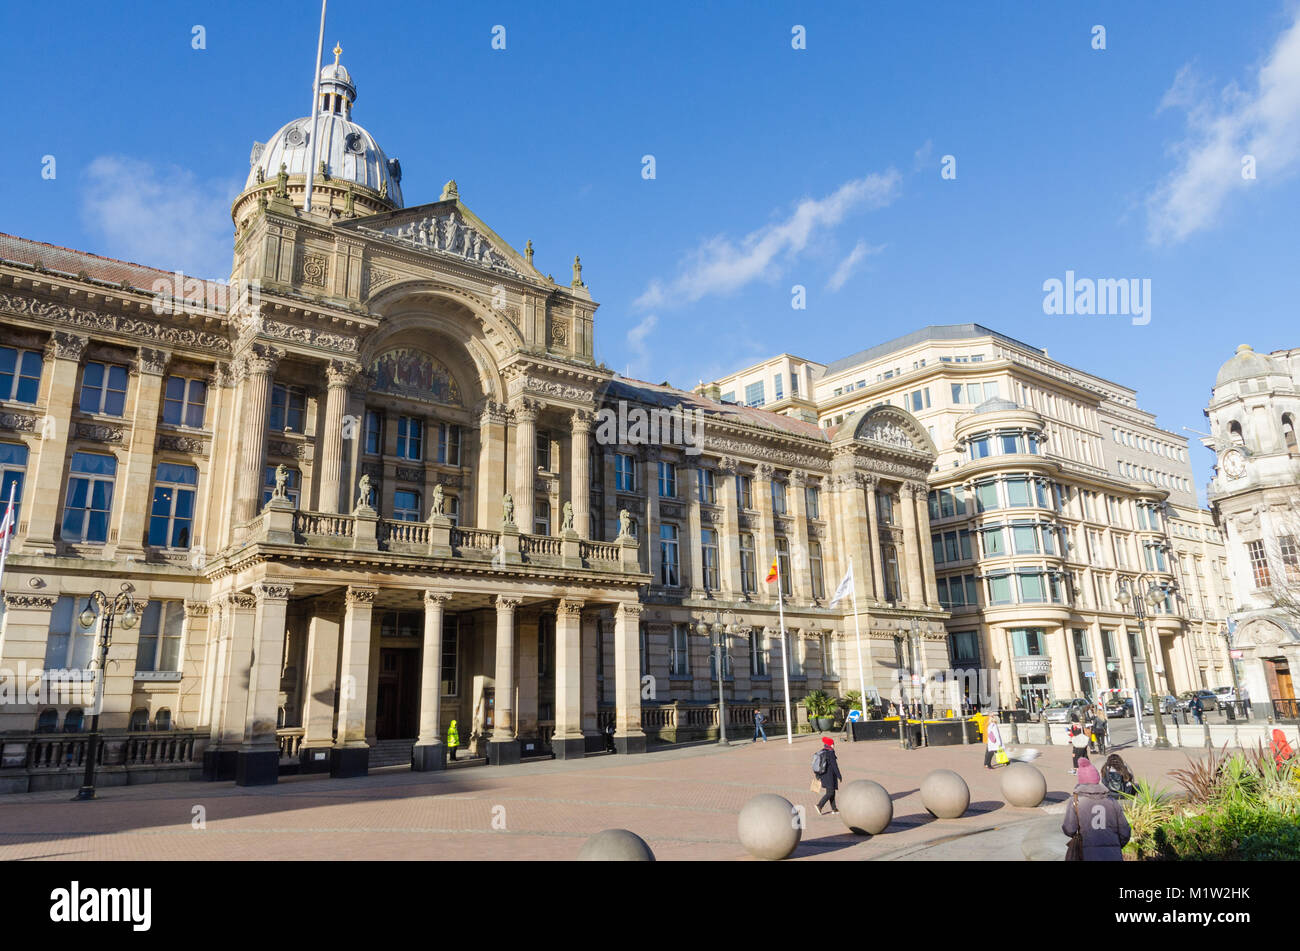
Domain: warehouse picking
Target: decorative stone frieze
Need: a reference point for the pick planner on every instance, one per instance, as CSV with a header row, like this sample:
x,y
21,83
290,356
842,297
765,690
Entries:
x,y
66,346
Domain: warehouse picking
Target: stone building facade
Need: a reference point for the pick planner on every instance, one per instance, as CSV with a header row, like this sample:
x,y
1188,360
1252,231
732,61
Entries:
x,y
1255,496
368,488
1051,489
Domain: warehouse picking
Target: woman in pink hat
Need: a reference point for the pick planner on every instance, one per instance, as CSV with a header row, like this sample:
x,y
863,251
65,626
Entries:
x,y
826,770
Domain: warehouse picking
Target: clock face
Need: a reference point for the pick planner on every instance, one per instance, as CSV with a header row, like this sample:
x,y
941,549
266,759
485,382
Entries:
x,y
1234,464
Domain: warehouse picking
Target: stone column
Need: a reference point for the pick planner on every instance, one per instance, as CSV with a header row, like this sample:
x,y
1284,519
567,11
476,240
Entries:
x,y
351,753
41,511
650,527
800,565
428,754
568,742
927,550
235,656
873,536
693,545
729,536
525,411
527,628
492,483
503,747
580,471
590,644
133,513
333,496
256,369
258,763
765,534
322,665
628,736
911,553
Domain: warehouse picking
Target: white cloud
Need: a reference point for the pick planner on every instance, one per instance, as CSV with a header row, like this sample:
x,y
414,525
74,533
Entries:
x,y
1263,122
720,265
163,218
636,342
846,267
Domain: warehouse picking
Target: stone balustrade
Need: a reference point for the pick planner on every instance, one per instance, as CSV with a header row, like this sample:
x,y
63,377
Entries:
x,y
290,742
30,762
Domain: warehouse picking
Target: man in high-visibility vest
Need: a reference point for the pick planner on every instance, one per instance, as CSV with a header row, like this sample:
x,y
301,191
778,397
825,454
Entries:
x,y
453,739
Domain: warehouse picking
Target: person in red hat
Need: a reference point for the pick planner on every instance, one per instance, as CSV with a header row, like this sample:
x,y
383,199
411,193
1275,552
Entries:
x,y
826,771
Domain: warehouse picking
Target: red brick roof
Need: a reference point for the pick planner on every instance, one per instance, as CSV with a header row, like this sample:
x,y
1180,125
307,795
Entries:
x,y
72,263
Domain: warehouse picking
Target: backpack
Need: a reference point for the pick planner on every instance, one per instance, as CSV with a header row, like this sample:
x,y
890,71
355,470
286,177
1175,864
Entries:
x,y
819,762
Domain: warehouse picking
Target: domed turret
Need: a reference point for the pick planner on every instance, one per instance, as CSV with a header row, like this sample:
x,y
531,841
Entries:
x,y
1246,364
352,173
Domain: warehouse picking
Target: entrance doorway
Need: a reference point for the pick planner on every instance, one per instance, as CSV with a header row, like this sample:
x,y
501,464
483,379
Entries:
x,y
1034,693
397,694
1281,689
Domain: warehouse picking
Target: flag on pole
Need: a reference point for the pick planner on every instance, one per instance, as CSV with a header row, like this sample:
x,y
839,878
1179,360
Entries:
x,y
845,588
772,573
8,528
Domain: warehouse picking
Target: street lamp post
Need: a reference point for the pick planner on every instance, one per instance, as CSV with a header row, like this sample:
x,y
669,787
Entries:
x,y
108,610
1232,666
1154,595
720,627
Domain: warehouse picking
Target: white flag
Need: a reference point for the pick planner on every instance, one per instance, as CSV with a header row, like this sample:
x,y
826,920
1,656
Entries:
x,y
8,528
845,588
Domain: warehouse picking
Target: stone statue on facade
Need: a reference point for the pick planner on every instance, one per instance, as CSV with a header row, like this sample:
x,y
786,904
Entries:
x,y
437,507
282,182
567,524
280,492
507,511
624,523
364,488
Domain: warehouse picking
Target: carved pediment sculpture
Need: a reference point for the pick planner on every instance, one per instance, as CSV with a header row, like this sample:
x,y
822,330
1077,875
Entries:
x,y
450,234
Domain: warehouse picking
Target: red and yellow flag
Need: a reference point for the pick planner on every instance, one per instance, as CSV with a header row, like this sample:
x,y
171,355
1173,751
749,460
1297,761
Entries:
x,y
771,572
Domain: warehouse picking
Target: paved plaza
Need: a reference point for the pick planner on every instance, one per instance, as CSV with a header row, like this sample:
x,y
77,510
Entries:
x,y
684,801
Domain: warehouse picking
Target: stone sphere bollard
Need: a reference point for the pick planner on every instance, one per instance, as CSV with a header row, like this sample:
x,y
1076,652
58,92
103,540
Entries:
x,y
865,807
769,827
945,794
1023,785
616,845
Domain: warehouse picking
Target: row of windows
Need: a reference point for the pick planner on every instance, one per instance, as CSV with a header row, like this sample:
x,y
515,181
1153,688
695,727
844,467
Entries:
x,y
410,438
1005,443
1287,552
759,650
70,646
625,480
1147,444
74,721
1154,476
669,573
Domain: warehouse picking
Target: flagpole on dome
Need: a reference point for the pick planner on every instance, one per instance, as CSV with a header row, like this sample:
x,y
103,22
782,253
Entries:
x,y
315,111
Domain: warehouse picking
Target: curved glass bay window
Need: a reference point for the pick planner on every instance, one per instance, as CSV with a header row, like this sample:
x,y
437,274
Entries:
x,y
1013,491
1024,586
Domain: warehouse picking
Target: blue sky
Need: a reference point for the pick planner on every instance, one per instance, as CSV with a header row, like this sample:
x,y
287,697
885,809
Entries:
x,y
774,166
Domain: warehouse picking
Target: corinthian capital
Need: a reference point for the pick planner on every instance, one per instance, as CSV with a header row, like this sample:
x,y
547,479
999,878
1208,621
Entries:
x,y
341,373
581,421
66,346
525,410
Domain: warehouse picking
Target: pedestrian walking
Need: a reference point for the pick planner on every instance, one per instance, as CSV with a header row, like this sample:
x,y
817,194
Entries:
x,y
1117,777
992,743
1078,746
1244,696
609,738
1094,822
1099,727
1198,709
453,739
758,725
826,773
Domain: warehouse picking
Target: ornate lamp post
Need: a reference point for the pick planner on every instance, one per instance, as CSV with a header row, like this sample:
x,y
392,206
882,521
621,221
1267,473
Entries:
x,y
1232,666
108,610
1154,595
724,623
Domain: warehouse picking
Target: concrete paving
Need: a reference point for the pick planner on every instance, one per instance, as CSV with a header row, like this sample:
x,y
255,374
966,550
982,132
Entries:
x,y
683,801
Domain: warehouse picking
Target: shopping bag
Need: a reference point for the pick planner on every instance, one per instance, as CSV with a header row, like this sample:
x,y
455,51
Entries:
x,y
1001,757
815,785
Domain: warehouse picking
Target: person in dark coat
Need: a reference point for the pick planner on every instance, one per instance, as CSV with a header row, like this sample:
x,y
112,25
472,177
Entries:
x,y
830,777
1099,817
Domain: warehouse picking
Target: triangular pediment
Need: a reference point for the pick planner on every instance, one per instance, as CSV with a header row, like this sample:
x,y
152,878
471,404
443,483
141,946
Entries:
x,y
444,229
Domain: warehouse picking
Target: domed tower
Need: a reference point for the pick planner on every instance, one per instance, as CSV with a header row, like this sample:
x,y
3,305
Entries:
x,y
353,176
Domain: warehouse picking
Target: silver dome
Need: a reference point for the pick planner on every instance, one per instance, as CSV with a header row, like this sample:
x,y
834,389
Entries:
x,y
349,152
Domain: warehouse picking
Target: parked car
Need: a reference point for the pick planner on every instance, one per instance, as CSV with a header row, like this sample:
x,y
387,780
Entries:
x,y
1208,699
1063,711
1225,694
1119,707
1168,706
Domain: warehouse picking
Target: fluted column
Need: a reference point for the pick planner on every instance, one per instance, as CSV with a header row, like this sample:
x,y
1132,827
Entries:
x,y
922,509
693,546
333,498
628,736
800,565
428,752
492,482
568,742
503,747
41,509
256,369
580,471
351,754
525,411
729,537
133,513
258,763
650,528
765,536
912,544
873,533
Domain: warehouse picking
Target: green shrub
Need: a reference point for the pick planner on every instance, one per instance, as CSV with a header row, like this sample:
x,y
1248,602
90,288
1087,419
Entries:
x,y
1231,833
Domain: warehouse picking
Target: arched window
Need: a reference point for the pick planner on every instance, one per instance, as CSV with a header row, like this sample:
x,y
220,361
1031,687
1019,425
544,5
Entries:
x,y
139,720
48,721
1234,433
162,720
1288,431
74,721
